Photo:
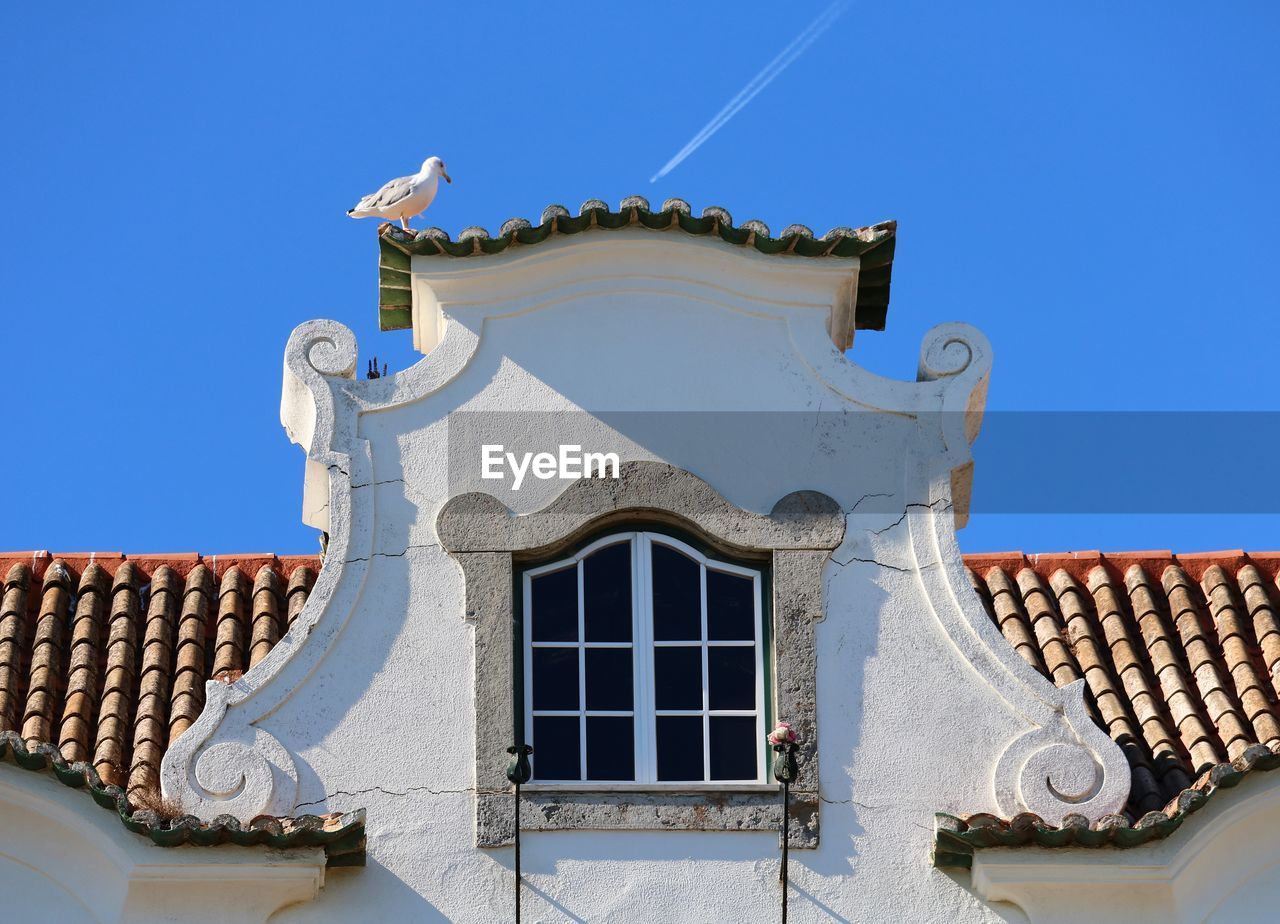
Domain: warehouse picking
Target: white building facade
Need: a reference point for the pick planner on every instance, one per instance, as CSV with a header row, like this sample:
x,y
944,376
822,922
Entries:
x,y
767,533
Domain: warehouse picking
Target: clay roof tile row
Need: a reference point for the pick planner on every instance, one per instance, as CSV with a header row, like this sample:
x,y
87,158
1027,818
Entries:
x,y
1181,658
108,657
104,659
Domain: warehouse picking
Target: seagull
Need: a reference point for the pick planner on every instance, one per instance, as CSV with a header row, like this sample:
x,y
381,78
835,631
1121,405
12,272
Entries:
x,y
404,197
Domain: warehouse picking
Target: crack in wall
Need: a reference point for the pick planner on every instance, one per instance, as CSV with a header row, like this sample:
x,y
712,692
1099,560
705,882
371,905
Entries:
x,y
873,561
933,505
386,792
374,484
410,488
471,790
946,505
430,545
853,802
865,497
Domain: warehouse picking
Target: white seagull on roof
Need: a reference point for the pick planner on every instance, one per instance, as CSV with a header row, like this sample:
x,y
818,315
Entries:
x,y
404,197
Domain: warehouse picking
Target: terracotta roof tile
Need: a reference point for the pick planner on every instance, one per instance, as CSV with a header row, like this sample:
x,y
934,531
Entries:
x,y
1266,626
83,665
1181,657
189,670
13,609
233,613
1009,614
1112,707
103,664
150,727
302,579
45,655
118,684
266,604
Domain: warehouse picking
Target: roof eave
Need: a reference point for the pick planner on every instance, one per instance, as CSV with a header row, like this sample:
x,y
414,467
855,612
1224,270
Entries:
x,y
342,836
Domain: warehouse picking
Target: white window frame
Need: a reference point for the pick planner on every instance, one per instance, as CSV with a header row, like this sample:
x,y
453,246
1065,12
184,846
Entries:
x,y
643,645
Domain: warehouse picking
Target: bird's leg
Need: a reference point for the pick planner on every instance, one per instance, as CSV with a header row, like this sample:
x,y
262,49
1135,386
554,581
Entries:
x,y
404,223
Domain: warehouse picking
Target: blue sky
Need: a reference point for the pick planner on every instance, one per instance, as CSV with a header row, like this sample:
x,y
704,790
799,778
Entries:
x,y
1093,185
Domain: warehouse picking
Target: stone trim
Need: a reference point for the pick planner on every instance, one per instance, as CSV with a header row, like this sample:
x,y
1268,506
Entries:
x,y
489,541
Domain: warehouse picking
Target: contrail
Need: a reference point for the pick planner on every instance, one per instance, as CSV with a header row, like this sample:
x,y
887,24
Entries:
x,y
761,80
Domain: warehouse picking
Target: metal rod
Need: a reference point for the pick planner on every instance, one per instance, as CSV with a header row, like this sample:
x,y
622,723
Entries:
x,y
517,853
786,842
518,772
785,771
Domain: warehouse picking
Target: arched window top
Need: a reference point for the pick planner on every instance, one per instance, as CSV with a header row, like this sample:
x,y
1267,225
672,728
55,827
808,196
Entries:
x,y
644,663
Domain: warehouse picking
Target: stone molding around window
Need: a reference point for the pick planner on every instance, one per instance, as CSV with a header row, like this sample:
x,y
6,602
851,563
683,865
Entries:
x,y
490,543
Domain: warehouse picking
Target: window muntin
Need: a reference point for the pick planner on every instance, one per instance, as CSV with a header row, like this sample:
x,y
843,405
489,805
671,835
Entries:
x,y
644,664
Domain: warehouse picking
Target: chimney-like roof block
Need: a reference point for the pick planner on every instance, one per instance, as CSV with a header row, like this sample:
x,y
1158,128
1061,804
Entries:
x,y
872,245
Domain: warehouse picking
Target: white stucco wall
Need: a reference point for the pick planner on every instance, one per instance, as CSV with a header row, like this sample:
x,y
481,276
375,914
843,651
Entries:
x,y
65,859
369,702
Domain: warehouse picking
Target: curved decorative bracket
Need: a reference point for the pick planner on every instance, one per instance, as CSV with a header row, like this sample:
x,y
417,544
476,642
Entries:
x,y
1064,764
1066,767
226,763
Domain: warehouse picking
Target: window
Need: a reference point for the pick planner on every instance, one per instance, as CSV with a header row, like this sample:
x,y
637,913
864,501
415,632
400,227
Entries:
x,y
501,554
644,664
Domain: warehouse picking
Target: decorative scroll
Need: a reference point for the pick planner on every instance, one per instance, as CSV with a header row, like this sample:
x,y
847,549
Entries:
x,y
1063,764
225,763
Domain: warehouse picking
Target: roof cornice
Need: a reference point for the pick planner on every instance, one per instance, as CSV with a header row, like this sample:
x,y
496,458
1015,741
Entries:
x,y
872,245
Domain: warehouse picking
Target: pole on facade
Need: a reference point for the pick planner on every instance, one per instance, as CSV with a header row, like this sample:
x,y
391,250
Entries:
x,y
785,772
518,772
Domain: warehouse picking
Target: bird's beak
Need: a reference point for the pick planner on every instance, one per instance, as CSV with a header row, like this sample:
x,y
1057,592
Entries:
x,y
446,177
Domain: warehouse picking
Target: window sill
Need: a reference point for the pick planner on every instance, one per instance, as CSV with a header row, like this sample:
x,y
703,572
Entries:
x,y
690,789
748,807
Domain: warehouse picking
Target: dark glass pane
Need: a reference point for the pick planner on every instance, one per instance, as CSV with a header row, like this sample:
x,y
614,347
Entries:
x,y
611,748
555,678
677,678
609,679
732,677
680,747
677,596
556,753
606,594
734,748
731,607
555,606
